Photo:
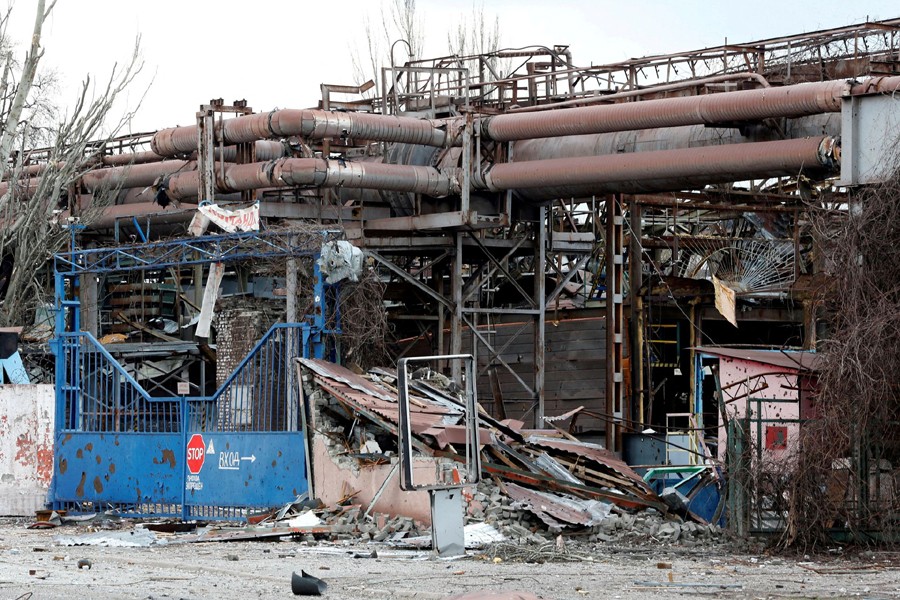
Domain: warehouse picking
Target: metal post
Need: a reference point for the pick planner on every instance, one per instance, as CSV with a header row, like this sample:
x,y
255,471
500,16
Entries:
x,y
438,275
635,282
183,404
320,317
206,145
88,285
692,343
447,508
290,336
456,285
540,301
466,165
614,318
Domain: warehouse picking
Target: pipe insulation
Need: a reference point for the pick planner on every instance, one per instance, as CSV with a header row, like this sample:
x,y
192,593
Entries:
x,y
720,108
311,123
726,107
264,150
318,172
662,170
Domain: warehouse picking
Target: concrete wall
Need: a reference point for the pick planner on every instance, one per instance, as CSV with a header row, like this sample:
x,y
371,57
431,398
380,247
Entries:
x,y
26,447
332,481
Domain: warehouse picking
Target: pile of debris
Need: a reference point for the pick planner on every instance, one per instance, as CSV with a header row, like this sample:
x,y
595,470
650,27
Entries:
x,y
536,484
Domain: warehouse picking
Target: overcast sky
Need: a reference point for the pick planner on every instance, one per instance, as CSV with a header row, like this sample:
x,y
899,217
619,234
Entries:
x,y
276,53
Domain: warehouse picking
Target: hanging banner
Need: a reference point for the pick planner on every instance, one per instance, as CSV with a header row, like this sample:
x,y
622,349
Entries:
x,y
243,219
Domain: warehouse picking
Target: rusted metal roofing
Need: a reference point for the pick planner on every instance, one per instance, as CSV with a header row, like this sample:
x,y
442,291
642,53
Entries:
x,y
552,509
364,395
787,359
346,376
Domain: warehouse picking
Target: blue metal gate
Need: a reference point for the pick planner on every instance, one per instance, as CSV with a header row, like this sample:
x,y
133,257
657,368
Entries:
x,y
119,447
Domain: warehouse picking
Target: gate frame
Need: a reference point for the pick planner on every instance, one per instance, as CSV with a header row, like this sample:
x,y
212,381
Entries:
x,y
70,266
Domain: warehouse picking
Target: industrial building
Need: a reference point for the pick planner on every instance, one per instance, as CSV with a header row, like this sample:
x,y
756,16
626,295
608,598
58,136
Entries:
x,y
625,249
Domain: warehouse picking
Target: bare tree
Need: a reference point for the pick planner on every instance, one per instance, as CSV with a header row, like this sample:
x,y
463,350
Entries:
x,y
399,24
400,32
479,38
30,206
477,35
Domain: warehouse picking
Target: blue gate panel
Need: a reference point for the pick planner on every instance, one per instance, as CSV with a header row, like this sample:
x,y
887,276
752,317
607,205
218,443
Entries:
x,y
246,469
130,468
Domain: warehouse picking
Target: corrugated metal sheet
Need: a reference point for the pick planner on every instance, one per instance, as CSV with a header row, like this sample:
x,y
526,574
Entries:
x,y
788,359
364,394
592,452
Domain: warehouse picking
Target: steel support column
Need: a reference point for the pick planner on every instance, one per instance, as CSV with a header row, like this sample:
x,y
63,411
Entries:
x,y
456,285
614,318
635,283
206,145
540,301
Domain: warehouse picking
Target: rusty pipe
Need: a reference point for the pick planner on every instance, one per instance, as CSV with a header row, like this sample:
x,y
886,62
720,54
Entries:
x,y
646,140
133,176
265,150
108,215
727,107
311,123
664,170
321,172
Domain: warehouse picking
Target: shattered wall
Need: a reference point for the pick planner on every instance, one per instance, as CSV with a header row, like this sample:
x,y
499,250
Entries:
x,y
26,447
335,479
239,325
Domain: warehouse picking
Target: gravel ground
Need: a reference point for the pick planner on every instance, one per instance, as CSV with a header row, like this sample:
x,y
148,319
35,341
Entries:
x,y
35,566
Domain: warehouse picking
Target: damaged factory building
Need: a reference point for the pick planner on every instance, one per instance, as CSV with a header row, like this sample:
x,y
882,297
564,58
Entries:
x,y
612,302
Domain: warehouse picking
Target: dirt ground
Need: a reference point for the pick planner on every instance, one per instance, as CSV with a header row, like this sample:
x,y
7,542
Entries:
x,y
36,565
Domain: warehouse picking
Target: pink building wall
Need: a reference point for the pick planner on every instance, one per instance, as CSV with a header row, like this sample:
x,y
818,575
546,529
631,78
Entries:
x,y
738,378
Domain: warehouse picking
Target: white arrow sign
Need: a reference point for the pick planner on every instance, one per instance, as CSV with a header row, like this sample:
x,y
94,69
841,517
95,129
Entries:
x,y
231,460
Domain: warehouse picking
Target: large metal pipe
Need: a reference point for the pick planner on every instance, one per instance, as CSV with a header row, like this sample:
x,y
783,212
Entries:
x,y
265,150
665,170
134,176
726,107
311,123
645,140
289,172
144,210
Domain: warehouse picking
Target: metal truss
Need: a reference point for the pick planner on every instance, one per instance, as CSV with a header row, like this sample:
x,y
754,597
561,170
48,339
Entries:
x,y
193,251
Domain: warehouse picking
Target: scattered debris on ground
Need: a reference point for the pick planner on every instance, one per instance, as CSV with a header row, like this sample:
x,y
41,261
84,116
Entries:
x,y
538,485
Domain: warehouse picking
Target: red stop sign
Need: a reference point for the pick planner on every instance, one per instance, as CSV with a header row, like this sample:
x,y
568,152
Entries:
x,y
196,454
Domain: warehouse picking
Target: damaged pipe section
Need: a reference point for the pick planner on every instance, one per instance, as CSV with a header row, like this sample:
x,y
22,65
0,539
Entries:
x,y
320,172
663,170
723,108
313,124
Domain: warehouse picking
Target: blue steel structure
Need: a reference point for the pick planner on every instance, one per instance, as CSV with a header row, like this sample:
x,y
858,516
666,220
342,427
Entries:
x,y
119,447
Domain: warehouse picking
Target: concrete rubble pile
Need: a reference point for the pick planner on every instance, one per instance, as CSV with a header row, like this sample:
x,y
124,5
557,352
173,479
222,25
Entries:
x,y
535,485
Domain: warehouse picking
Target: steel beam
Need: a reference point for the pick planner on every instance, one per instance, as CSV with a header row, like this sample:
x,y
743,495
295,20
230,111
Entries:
x,y
614,320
